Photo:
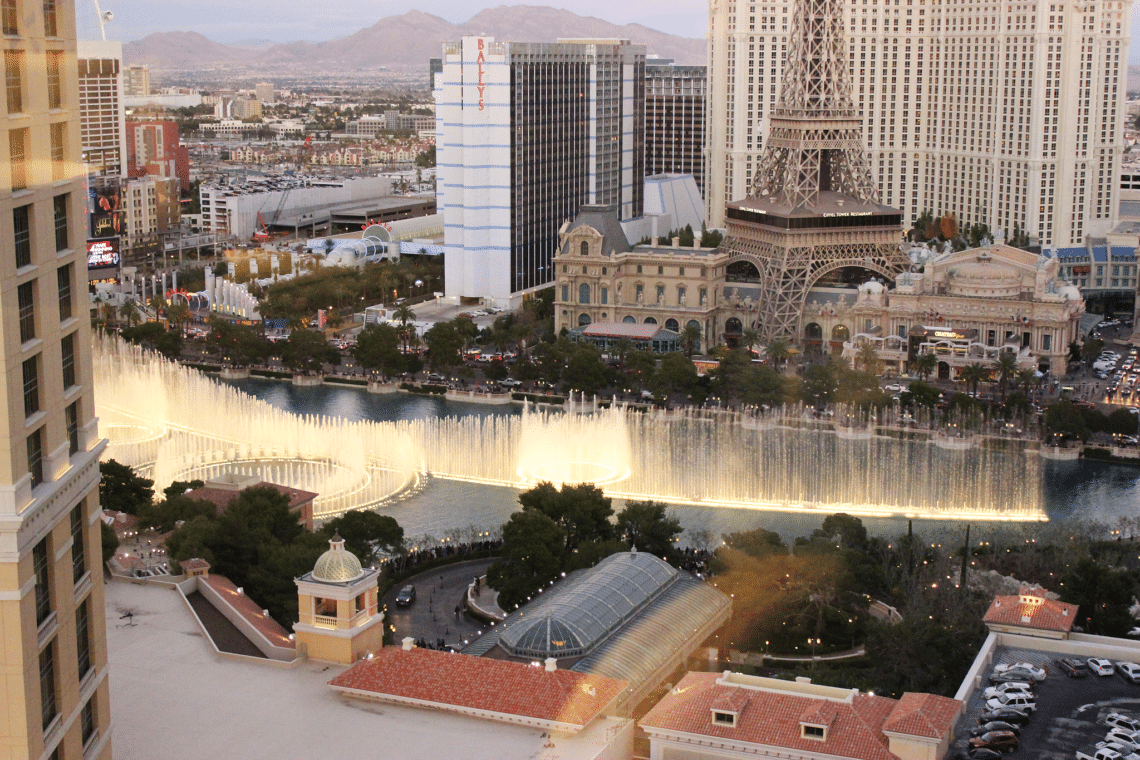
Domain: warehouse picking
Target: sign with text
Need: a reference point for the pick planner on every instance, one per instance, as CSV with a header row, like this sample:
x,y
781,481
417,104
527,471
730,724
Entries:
x,y
103,253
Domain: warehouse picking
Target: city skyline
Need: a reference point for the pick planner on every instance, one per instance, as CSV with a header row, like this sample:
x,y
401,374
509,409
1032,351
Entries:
x,y
283,21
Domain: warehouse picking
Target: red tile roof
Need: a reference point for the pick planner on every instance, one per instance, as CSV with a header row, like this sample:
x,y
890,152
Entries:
x,y
249,610
194,564
926,715
452,681
1031,610
221,497
772,717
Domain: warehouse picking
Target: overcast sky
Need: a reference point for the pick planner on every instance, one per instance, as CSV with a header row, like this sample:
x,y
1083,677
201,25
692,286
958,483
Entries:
x,y
290,20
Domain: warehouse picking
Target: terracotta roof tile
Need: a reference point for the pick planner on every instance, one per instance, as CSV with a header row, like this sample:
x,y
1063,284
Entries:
x,y
926,715
194,564
480,683
221,497
773,717
248,609
1031,610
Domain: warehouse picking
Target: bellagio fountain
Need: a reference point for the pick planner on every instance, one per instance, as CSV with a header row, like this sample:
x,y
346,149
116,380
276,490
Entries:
x,y
174,423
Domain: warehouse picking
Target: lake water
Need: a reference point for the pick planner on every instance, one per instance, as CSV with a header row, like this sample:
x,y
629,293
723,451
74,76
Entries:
x,y
1085,489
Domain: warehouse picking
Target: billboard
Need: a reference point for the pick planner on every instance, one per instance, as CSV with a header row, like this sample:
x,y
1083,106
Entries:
x,y
103,253
106,208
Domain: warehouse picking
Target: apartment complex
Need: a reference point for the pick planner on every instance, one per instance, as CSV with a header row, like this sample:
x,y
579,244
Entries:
x,y
675,119
527,134
136,80
155,150
53,636
263,91
1003,113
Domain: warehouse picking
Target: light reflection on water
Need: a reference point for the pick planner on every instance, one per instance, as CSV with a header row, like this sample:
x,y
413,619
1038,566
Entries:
x,y
1088,489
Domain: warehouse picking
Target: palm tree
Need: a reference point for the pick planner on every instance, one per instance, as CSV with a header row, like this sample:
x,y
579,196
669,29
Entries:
x,y
404,315
129,313
924,365
178,313
1006,368
624,347
869,358
778,351
690,339
971,375
750,338
1025,378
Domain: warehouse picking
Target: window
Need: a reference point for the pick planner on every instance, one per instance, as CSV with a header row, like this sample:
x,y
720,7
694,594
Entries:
x,y
813,732
661,294
36,458
17,153
43,580
585,248
1046,342
83,638
605,296
78,545
67,350
87,721
26,299
8,16
59,206
48,709
31,386
71,419
639,291
51,27
54,81
22,235
14,80
63,280
724,718
565,292
58,151
584,293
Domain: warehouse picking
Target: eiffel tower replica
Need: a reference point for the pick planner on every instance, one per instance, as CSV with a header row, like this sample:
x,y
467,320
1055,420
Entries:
x,y
813,207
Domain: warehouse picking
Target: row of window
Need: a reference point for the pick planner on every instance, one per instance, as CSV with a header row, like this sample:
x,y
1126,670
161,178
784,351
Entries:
x,y
585,291
49,687
10,18
15,86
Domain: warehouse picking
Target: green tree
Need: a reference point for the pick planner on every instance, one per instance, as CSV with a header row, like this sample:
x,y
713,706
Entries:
x,y
530,558
367,534
778,351
690,339
129,313
121,490
710,238
1064,420
444,343
582,511
924,365
869,358
167,513
845,529
920,393
585,371
678,374
758,542
378,348
819,384
1005,368
109,540
647,526
1092,350
641,365
972,374
1103,594
750,339
307,350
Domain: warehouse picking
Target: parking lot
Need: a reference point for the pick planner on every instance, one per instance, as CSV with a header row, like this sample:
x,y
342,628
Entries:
x,y
1070,711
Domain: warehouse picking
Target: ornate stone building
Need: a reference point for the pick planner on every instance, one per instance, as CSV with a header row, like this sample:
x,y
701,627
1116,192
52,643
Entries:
x,y
965,307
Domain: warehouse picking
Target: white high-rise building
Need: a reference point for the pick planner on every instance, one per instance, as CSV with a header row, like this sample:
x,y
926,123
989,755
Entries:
x,y
527,134
1004,113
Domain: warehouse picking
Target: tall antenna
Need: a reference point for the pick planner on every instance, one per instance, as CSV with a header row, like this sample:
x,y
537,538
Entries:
x,y
103,19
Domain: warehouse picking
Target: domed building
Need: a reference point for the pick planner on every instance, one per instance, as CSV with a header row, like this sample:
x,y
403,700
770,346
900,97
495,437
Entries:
x,y
968,307
632,617
337,606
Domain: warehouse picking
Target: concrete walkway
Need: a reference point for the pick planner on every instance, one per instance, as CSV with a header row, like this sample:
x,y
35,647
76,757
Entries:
x,y
432,616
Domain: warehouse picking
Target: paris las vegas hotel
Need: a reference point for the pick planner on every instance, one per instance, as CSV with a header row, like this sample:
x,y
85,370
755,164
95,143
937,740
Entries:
x,y
998,111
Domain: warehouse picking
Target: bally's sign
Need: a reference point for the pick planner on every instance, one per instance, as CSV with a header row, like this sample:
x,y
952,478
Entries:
x,y
481,86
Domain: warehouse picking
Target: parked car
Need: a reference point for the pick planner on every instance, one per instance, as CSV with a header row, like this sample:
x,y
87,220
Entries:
x,y
1038,673
1073,667
1124,741
406,596
1013,675
1002,741
982,753
1103,753
1012,687
1005,714
1120,749
1122,720
1129,671
994,725
1100,666
1013,699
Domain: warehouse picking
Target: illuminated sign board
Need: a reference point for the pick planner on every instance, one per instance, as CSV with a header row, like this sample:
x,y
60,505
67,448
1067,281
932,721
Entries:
x,y
103,253
847,213
952,334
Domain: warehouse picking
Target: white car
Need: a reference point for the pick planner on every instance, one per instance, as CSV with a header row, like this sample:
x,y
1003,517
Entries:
x,y
1015,687
1120,720
1015,699
1129,671
1125,740
1037,672
894,388
1122,750
1100,666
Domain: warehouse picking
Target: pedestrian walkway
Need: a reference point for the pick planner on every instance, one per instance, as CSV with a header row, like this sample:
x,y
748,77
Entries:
x,y
436,614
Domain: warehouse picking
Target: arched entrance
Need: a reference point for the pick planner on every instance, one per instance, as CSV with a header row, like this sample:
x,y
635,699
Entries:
x,y
733,332
943,371
742,271
813,338
583,320
839,335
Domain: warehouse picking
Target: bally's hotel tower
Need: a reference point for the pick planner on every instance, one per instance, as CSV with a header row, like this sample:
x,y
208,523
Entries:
x,y
526,134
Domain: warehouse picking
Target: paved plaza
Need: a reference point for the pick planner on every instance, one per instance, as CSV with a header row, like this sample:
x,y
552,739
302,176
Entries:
x,y
433,615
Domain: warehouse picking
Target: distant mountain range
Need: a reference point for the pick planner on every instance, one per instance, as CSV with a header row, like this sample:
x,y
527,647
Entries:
x,y
404,41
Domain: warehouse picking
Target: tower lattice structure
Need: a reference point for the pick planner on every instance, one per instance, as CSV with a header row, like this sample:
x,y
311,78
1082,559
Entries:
x,y
813,206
